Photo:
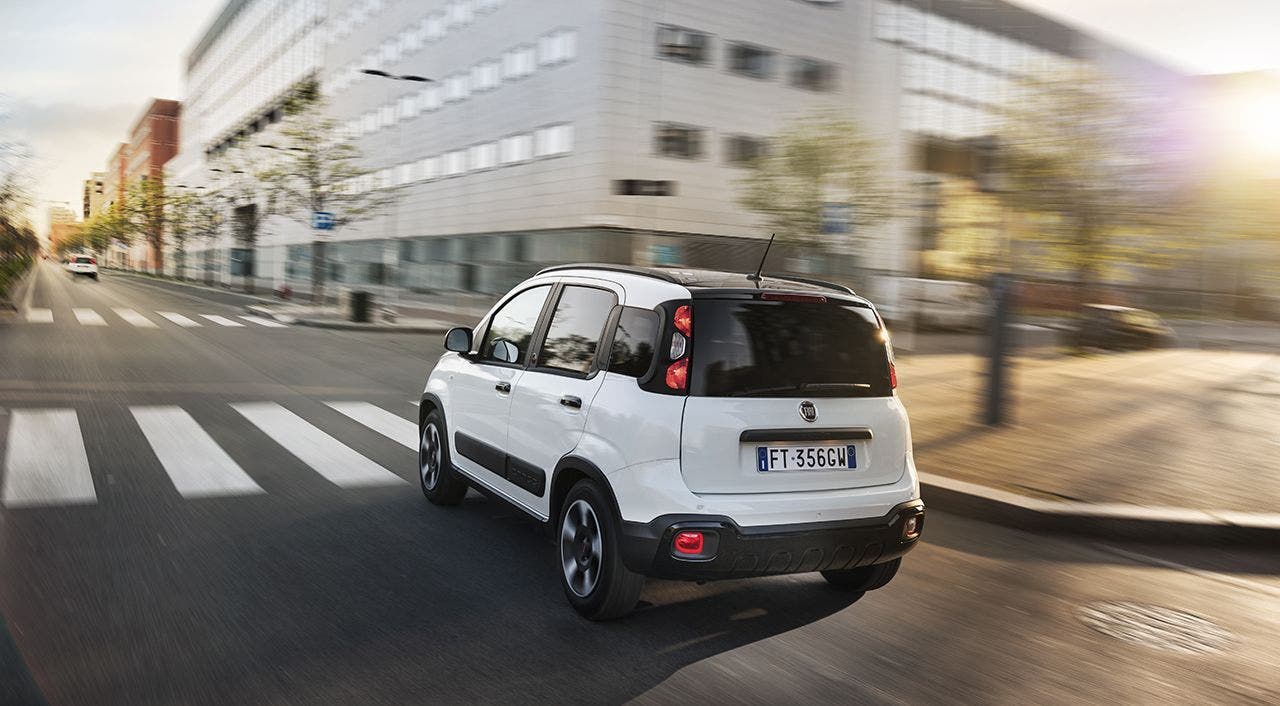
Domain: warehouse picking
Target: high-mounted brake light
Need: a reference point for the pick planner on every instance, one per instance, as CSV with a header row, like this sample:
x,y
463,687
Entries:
x,y
678,374
779,297
683,319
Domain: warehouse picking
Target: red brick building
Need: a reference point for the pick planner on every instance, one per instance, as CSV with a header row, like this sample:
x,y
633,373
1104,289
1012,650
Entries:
x,y
153,141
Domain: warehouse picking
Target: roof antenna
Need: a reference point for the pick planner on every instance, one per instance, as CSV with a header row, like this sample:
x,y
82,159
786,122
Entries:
x,y
756,277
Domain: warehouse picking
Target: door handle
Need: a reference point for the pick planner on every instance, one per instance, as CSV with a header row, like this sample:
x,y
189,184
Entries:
x,y
571,401
503,387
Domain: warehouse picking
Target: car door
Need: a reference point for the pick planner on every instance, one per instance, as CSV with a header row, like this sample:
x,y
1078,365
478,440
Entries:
x,y
551,399
480,390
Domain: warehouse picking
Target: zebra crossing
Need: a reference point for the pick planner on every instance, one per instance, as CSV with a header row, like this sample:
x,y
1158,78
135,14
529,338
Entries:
x,y
45,462
148,320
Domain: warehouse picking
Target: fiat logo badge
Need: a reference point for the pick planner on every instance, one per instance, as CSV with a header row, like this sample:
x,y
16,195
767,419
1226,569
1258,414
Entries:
x,y
808,412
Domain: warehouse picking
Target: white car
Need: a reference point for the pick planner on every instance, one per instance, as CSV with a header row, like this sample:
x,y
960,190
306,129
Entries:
x,y
86,265
682,424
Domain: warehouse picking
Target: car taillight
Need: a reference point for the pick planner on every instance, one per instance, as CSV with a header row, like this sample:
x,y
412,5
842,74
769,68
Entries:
x,y
683,319
779,297
678,371
687,542
893,376
678,374
93,261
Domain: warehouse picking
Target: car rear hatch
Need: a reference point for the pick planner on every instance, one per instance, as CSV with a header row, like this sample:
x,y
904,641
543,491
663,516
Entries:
x,y
789,392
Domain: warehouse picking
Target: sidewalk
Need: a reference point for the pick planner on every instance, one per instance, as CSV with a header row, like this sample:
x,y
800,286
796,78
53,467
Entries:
x,y
1170,444
333,317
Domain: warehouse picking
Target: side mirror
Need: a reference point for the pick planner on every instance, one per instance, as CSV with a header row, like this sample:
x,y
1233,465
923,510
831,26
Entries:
x,y
458,339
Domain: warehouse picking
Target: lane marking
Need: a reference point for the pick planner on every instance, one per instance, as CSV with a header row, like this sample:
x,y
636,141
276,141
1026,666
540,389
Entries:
x,y
134,318
46,462
380,420
89,317
221,320
195,463
331,458
179,319
263,322
40,316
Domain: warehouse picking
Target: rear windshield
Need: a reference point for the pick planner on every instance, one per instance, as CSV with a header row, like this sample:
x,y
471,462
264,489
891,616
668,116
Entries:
x,y
83,260
753,348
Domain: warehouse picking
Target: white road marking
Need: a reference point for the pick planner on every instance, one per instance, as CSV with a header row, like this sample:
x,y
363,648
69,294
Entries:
x,y
46,463
195,463
263,322
221,320
40,316
134,318
380,420
328,456
89,317
179,319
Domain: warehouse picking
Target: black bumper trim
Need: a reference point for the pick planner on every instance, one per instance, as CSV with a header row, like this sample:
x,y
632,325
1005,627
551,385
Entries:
x,y
774,549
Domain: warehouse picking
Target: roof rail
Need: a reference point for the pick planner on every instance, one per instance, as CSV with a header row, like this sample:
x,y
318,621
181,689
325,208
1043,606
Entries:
x,y
816,283
628,269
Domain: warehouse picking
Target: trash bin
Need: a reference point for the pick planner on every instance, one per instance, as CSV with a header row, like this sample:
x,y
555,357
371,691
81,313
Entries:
x,y
361,306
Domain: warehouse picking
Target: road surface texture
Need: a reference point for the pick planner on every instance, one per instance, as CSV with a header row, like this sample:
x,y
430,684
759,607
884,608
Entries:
x,y
194,511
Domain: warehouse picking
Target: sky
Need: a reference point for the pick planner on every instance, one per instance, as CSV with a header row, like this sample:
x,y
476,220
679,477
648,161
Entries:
x,y
75,74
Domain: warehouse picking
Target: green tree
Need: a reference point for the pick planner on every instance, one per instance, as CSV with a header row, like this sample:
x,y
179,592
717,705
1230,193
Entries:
x,y
245,191
192,215
143,216
318,169
1076,160
811,163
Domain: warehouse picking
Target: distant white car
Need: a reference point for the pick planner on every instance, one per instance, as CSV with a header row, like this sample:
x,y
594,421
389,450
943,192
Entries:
x,y
681,424
83,265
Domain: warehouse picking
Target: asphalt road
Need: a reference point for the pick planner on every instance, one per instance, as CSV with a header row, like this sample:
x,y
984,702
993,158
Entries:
x,y
163,540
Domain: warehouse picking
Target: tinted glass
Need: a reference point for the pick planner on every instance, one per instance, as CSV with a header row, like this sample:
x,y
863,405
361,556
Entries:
x,y
786,349
576,328
511,329
83,260
633,342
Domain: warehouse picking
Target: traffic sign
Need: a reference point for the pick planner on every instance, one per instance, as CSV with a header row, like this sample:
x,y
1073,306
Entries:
x,y
322,220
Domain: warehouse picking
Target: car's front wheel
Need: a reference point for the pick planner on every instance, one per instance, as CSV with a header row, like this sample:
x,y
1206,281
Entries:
x,y
596,582
440,483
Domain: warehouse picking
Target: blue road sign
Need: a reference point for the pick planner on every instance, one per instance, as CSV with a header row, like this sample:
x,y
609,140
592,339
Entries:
x,y
322,220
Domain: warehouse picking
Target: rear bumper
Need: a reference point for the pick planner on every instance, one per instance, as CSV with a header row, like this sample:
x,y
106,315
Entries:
x,y
739,552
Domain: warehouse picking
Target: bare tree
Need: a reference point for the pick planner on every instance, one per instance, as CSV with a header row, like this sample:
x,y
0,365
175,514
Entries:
x,y
319,171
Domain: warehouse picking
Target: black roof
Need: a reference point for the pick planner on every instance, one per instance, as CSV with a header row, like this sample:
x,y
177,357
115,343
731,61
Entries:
x,y
713,279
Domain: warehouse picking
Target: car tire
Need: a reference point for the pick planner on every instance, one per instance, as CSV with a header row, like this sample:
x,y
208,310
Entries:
x,y
440,483
595,581
863,578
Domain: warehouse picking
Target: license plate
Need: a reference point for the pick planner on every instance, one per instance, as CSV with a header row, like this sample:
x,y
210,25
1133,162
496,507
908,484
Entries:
x,y
839,457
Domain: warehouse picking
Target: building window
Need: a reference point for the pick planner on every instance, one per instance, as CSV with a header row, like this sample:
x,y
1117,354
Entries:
x,y
484,76
644,187
813,75
408,106
750,60
459,12
455,162
683,44
433,27
516,148
553,140
430,98
674,140
429,168
742,150
557,47
456,88
484,156
518,62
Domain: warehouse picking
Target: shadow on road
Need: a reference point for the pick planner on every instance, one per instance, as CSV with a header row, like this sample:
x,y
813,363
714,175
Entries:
x,y
389,601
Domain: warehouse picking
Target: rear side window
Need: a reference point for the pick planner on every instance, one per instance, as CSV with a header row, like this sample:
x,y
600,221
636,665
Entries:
x,y
576,329
633,342
83,260
756,348
511,330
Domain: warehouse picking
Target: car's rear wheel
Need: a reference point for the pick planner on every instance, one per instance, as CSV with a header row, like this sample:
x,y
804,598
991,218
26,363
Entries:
x,y
440,483
596,582
863,578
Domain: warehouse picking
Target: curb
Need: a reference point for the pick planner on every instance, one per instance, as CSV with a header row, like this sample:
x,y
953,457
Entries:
x,y
382,328
1108,520
162,281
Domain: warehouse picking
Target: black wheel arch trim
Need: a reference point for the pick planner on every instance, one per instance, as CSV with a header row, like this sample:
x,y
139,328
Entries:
x,y
581,465
432,398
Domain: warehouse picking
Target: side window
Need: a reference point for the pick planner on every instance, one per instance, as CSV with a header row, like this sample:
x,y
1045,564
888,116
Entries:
x,y
511,330
576,328
633,342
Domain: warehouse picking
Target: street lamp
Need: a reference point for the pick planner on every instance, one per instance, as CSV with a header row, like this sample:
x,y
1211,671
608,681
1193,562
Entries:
x,y
389,256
